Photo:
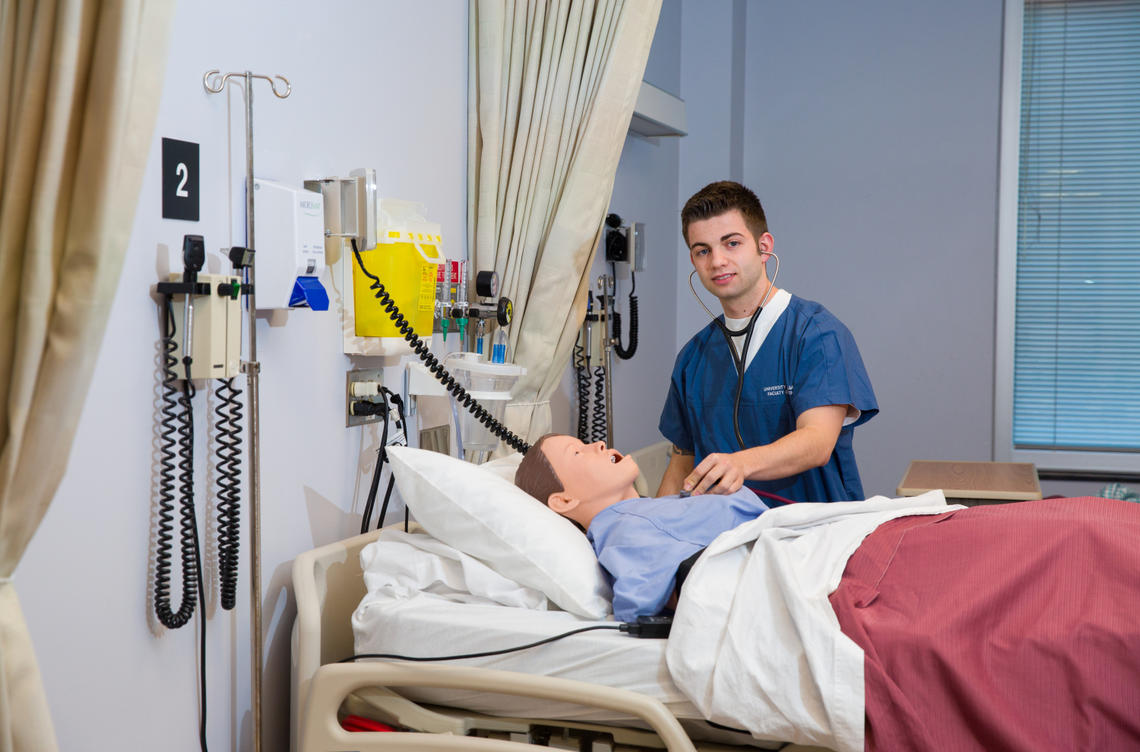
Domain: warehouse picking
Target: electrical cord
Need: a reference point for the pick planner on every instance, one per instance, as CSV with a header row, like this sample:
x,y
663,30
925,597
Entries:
x,y
381,455
433,363
381,459
193,588
623,352
598,418
175,432
396,657
656,627
582,381
399,403
228,436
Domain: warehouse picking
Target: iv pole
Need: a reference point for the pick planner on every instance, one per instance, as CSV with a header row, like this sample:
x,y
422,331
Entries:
x,y
252,369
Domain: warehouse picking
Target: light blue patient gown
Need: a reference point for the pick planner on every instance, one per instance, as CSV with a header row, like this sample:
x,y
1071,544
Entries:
x,y
809,359
641,542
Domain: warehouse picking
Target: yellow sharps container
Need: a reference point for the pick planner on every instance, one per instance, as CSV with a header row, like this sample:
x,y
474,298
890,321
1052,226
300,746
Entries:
x,y
406,261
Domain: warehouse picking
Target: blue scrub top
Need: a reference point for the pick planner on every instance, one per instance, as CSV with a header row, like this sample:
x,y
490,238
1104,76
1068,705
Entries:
x,y
809,359
641,542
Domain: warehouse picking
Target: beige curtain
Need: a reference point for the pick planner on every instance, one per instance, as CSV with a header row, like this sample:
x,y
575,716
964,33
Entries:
x,y
79,87
551,91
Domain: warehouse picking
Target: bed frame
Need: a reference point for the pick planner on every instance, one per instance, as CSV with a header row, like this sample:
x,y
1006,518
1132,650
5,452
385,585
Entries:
x,y
328,584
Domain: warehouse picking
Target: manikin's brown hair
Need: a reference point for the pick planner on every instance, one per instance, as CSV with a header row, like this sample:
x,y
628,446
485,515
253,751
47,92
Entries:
x,y
536,475
721,197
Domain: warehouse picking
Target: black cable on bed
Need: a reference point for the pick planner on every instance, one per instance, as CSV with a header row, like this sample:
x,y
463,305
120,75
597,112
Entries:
x,y
394,657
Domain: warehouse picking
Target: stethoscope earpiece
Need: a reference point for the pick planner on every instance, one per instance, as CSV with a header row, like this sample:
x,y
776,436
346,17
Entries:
x,y
767,293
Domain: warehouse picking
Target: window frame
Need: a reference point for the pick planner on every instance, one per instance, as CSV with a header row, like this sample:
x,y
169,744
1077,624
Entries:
x,y
1057,462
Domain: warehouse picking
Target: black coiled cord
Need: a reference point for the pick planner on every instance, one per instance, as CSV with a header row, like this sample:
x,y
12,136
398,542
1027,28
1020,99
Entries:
x,y
582,378
193,589
621,352
228,436
598,420
175,423
433,364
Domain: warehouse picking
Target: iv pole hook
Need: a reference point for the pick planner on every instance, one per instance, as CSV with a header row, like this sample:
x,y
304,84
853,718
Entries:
x,y
222,79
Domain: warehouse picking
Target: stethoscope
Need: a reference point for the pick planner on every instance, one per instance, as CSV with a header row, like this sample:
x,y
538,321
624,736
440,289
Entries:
x,y
738,358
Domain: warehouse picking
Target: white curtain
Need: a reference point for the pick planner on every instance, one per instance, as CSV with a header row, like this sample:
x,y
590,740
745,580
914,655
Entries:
x,y
79,87
551,92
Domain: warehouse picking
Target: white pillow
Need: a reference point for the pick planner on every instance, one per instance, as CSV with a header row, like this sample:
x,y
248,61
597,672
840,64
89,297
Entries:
x,y
504,467
486,516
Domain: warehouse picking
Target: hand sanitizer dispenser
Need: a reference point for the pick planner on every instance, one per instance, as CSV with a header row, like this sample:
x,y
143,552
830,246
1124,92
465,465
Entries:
x,y
290,246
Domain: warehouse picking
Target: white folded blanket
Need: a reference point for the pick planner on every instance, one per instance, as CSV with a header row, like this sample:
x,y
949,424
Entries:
x,y
755,643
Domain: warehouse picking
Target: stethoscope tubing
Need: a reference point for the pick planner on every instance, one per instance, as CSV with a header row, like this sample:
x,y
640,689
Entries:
x,y
739,358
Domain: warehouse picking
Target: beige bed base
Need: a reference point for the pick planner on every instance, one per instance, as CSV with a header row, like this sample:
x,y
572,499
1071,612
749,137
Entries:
x,y
328,585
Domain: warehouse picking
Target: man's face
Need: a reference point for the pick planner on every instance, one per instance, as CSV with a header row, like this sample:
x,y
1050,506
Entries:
x,y
589,471
728,260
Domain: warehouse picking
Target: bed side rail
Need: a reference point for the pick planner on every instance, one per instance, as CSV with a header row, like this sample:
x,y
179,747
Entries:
x,y
321,732
327,585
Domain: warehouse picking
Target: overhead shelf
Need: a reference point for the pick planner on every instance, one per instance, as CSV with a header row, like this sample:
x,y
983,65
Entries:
x,y
657,113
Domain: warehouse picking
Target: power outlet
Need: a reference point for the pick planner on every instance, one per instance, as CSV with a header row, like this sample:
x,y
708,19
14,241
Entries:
x,y
363,402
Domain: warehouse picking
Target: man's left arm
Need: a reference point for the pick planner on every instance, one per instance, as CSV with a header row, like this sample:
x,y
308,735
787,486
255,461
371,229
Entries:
x,y
810,445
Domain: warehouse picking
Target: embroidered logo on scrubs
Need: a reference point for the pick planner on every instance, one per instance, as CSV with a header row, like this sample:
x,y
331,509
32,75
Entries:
x,y
778,390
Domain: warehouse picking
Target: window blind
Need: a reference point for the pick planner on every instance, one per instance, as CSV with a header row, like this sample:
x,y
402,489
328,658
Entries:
x,y
1076,380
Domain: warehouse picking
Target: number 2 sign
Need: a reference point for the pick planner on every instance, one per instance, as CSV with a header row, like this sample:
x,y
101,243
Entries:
x,y
179,179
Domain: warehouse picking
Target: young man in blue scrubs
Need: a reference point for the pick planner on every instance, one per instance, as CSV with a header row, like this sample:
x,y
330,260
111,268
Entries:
x,y
786,425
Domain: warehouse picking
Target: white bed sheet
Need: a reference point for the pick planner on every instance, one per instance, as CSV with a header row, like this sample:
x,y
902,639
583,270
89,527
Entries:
x,y
425,624
398,617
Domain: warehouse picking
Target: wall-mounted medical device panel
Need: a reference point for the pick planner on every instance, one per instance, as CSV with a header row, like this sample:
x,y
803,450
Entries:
x,y
215,328
290,246
350,207
636,237
625,243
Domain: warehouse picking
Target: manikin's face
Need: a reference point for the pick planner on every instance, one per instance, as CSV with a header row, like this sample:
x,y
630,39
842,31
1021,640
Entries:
x,y
589,471
730,261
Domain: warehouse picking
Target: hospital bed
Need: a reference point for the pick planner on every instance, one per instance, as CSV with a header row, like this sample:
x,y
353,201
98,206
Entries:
x,y
329,585
628,699
598,687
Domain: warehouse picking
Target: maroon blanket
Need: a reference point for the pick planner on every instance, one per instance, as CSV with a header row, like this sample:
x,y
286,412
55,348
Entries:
x,y
1005,627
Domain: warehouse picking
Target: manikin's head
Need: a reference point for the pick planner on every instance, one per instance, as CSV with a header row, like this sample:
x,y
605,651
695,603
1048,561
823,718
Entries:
x,y
576,480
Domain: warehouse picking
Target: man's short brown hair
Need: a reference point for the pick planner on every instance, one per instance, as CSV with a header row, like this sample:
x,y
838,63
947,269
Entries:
x,y
536,475
721,197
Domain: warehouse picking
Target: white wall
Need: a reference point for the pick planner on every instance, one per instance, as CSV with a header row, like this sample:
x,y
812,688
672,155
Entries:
x,y
873,144
380,84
